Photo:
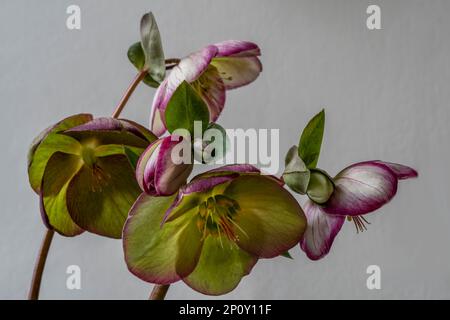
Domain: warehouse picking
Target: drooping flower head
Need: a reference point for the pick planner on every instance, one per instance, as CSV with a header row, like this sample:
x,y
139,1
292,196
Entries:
x,y
211,71
213,231
358,190
81,171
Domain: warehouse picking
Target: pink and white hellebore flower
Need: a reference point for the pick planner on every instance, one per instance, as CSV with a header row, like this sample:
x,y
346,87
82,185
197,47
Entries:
x,y
358,189
157,173
212,70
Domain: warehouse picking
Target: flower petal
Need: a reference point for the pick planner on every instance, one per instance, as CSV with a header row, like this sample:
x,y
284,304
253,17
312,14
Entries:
x,y
169,176
157,119
237,71
237,48
211,88
60,169
147,162
270,219
321,230
160,254
402,172
99,197
362,188
221,267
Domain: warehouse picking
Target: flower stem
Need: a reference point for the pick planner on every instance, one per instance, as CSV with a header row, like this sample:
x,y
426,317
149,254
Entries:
x,y
128,93
159,292
39,266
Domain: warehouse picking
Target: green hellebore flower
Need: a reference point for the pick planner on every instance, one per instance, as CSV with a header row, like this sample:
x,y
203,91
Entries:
x,y
213,231
80,169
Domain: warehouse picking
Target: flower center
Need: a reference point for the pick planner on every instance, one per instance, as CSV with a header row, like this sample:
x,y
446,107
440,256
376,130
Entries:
x,y
217,217
360,223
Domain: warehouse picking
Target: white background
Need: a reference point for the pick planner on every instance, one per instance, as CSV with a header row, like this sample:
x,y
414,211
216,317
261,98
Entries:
x,y
386,95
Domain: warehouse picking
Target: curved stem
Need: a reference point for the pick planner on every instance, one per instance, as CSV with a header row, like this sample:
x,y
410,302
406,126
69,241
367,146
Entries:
x,y
39,266
128,93
159,292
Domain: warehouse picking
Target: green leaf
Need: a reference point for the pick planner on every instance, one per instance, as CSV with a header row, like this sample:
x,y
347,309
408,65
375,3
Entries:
x,y
311,140
137,58
215,145
185,107
287,255
320,186
152,47
296,175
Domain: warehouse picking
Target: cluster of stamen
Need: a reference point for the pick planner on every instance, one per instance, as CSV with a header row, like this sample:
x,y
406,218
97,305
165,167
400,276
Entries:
x,y
217,217
360,223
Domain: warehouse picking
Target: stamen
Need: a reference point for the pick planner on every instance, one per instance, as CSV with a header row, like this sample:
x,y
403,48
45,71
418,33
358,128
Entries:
x,y
360,223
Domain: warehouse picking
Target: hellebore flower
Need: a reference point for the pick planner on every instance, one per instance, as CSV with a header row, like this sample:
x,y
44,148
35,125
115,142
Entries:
x,y
157,173
211,71
80,169
358,189
213,231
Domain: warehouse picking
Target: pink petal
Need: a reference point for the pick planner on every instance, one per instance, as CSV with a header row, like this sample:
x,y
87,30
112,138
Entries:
x,y
320,232
189,69
362,188
237,48
237,63
402,172
157,119
168,176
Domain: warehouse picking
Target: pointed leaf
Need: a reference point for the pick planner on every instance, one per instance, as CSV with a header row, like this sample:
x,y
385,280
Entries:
x,y
136,56
311,140
185,107
152,47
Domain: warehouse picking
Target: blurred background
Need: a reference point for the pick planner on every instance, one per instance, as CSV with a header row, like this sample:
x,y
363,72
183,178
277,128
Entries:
x,y
385,92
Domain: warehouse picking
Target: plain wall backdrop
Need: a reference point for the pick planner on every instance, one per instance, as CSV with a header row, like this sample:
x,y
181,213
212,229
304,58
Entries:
x,y
386,95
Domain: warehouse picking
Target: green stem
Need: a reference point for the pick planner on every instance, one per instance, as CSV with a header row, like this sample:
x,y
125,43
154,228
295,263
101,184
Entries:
x,y
159,292
39,266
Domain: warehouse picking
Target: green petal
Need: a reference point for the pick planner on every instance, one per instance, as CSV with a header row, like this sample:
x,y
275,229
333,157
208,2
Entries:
x,y
62,125
160,254
60,169
221,266
270,220
52,143
296,175
320,186
102,137
115,149
99,198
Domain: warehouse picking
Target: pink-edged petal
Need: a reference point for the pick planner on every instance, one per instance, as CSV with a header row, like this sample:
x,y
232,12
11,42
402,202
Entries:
x,y
237,48
320,232
237,71
146,166
189,69
211,88
157,119
362,188
160,255
401,171
169,176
